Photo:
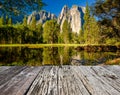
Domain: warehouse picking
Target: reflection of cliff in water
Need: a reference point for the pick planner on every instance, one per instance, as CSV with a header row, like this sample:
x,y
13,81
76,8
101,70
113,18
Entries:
x,y
53,56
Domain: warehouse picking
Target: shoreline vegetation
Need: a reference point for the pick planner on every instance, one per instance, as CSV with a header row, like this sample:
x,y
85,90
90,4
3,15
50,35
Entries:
x,y
79,47
95,32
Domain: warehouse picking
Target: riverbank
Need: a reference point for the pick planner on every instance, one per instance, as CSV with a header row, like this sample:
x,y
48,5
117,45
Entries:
x,y
79,47
38,45
99,48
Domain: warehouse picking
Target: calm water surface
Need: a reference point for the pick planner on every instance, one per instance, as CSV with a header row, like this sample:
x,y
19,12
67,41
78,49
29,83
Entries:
x,y
53,56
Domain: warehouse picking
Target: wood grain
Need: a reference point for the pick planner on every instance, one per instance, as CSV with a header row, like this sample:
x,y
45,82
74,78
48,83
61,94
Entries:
x,y
60,80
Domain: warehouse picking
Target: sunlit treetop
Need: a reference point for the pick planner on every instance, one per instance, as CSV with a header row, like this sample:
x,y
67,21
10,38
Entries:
x,y
17,7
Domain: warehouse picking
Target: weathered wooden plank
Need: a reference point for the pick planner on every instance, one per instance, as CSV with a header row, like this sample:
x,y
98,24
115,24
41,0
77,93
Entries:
x,y
114,68
59,82
3,68
72,85
40,82
10,73
109,77
64,80
53,89
20,83
54,81
95,84
79,84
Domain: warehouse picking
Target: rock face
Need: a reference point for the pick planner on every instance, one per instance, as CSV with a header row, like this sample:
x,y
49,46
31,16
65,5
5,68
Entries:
x,y
63,16
41,17
74,16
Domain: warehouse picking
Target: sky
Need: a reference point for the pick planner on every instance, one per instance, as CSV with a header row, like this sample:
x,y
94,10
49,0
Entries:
x,y
55,6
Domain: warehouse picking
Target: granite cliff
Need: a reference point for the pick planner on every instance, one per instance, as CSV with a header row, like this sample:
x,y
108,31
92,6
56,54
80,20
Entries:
x,y
74,16
41,17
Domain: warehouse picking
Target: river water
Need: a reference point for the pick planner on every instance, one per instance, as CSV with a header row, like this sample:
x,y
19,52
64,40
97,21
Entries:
x,y
24,56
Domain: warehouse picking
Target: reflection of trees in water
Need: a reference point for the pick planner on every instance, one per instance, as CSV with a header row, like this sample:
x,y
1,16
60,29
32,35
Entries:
x,y
20,56
95,58
51,56
32,57
65,55
9,55
56,55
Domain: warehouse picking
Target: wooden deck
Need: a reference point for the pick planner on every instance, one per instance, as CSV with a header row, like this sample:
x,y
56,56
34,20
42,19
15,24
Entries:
x,y
55,80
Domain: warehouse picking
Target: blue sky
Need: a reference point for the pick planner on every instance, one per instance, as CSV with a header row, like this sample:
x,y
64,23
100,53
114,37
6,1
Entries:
x,y
55,6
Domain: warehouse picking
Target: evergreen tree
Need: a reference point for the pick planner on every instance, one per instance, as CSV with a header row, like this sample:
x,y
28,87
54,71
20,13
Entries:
x,y
6,20
108,13
51,32
33,23
25,21
86,27
66,32
94,33
1,21
10,21
74,38
91,29
20,6
39,33
81,37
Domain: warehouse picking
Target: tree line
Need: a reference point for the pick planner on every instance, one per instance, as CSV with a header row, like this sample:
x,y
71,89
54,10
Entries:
x,y
104,30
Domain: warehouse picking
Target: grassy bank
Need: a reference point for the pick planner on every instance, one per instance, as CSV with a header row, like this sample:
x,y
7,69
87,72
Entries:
x,y
38,45
54,45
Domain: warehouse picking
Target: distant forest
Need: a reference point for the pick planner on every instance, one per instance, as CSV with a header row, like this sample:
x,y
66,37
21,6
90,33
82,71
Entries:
x,y
101,26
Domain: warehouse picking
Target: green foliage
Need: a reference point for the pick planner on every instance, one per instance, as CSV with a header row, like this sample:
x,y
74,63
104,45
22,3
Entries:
x,y
91,28
17,7
108,12
25,21
104,31
10,21
94,33
74,38
86,16
39,33
60,39
51,32
6,20
1,21
51,56
81,37
86,26
66,32
111,41
33,23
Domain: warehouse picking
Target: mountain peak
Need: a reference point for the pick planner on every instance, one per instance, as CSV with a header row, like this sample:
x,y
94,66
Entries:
x,y
41,17
74,16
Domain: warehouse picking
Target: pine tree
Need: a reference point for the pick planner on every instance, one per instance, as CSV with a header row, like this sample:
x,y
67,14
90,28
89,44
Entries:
x,y
16,7
25,21
10,21
33,23
94,33
66,32
51,32
39,33
1,21
91,29
86,27
81,37
108,13
6,20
